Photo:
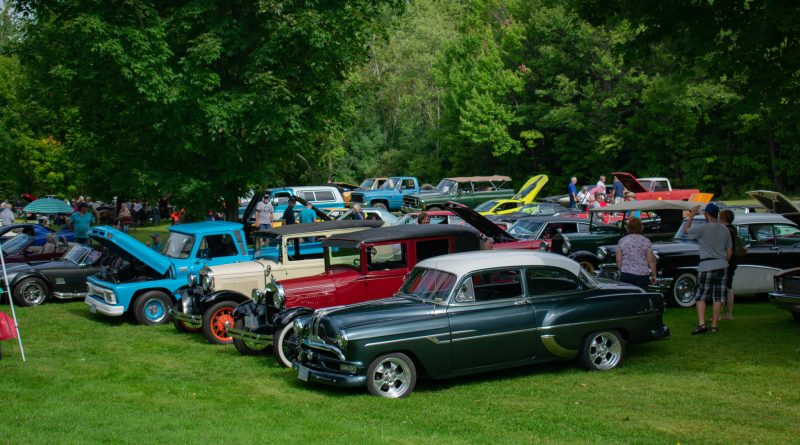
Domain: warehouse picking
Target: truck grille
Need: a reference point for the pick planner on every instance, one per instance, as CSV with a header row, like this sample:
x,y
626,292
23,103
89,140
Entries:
x,y
356,197
410,201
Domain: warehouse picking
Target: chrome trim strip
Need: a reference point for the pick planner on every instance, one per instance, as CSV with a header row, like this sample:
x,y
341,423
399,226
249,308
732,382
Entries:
x,y
556,349
496,334
62,295
547,328
325,347
434,338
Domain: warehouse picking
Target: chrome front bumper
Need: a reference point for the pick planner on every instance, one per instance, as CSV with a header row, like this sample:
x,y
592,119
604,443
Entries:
x,y
96,306
186,318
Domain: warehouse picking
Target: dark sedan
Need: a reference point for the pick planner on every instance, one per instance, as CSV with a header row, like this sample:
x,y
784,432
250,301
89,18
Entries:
x,y
474,312
786,295
33,283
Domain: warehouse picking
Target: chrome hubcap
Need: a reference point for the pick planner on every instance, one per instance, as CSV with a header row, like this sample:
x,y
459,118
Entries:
x,y
33,293
154,310
391,377
605,351
684,290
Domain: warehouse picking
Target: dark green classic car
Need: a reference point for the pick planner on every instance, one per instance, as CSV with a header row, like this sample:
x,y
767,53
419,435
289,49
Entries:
x,y
472,312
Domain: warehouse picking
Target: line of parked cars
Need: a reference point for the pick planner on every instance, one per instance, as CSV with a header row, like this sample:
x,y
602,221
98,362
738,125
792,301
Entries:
x,y
381,301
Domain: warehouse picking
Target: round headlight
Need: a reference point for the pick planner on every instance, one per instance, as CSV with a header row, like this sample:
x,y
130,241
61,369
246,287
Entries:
x,y
256,295
192,279
299,327
602,253
341,339
279,296
207,280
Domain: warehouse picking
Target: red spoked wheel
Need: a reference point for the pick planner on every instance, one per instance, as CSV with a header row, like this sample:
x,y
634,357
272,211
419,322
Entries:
x,y
216,320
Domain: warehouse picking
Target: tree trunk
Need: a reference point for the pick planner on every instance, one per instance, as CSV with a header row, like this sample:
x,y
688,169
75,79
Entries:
x,y
231,206
777,178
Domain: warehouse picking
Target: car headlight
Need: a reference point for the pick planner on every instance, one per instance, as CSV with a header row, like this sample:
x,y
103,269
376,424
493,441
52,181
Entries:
x,y
602,253
779,284
341,339
191,279
300,327
207,280
279,296
256,295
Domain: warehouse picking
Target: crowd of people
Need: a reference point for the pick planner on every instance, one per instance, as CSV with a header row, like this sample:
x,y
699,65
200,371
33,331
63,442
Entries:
x,y
598,196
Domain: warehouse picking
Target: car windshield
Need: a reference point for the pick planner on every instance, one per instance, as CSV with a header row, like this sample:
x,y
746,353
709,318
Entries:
x,y
429,284
77,254
680,235
178,245
447,186
268,246
538,209
16,245
525,229
342,256
367,183
486,206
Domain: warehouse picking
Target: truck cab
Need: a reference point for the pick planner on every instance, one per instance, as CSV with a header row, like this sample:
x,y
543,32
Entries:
x,y
390,195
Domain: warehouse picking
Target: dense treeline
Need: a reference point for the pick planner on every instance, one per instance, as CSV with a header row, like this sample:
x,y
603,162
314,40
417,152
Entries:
x,y
207,99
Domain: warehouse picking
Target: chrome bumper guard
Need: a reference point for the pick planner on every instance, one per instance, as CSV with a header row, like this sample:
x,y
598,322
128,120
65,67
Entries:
x,y
662,285
324,347
248,336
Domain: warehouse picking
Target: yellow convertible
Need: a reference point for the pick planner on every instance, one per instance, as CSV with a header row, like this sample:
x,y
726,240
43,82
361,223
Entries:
x,y
526,195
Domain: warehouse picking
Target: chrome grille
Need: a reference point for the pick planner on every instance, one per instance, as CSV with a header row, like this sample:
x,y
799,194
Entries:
x,y
410,201
356,197
791,286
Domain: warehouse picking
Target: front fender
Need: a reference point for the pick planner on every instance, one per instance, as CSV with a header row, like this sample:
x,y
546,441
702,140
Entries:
x,y
287,315
585,255
247,308
223,295
31,274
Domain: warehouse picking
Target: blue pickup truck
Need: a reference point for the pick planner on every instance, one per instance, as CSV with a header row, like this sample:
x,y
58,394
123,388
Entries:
x,y
134,277
390,195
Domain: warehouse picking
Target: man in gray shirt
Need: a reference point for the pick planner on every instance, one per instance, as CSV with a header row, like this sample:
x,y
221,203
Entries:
x,y
7,215
716,249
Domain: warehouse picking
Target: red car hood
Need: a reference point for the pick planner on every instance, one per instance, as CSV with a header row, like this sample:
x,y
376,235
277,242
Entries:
x,y
630,182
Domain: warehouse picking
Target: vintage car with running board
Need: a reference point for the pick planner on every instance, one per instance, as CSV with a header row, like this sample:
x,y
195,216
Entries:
x,y
474,312
207,301
359,266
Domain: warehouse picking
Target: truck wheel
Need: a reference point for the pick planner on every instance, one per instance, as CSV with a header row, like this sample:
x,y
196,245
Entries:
x,y
380,205
434,208
682,292
214,320
245,347
602,350
392,376
286,345
151,308
31,291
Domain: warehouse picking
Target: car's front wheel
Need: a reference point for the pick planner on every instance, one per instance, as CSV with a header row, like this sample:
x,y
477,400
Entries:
x,y
379,205
287,345
392,376
31,291
245,347
152,308
216,320
602,350
682,292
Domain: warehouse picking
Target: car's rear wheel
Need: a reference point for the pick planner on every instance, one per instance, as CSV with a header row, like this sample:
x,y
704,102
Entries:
x,y
216,320
392,376
184,327
30,291
152,308
682,292
286,345
602,350
379,205
245,347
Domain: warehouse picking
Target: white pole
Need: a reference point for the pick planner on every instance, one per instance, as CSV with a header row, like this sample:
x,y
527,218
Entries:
x,y
11,301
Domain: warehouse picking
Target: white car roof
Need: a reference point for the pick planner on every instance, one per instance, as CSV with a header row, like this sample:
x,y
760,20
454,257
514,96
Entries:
x,y
464,263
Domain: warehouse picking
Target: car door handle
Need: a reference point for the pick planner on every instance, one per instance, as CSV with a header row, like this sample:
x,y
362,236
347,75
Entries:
x,y
524,301
775,248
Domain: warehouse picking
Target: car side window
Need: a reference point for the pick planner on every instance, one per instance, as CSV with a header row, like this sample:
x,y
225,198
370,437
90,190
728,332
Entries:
x,y
786,235
761,235
324,195
309,196
550,280
431,248
583,228
297,250
569,227
408,184
496,285
216,246
240,242
387,256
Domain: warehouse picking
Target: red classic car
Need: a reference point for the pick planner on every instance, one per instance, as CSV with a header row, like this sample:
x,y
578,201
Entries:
x,y
359,266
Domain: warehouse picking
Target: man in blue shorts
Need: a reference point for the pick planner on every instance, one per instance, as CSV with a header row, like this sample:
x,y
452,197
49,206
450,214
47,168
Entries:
x,y
716,249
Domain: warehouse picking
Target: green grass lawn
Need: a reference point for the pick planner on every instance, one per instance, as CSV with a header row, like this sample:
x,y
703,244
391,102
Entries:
x,y
93,379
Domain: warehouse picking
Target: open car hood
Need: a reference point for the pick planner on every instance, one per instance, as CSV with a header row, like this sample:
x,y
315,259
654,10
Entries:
x,y
774,201
480,222
130,248
630,182
531,188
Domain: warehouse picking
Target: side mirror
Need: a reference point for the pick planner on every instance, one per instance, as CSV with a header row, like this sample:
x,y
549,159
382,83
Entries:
x,y
275,201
